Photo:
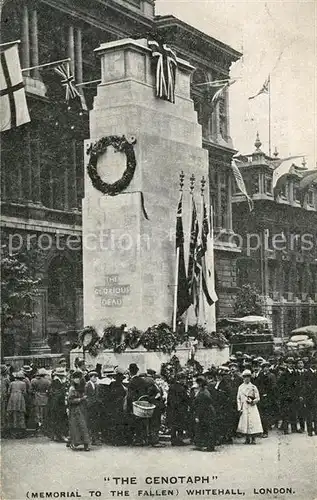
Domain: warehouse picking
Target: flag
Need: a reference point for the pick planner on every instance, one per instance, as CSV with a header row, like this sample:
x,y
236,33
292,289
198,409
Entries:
x,y
282,166
183,298
204,290
240,183
265,89
14,109
205,247
222,85
193,278
166,64
68,81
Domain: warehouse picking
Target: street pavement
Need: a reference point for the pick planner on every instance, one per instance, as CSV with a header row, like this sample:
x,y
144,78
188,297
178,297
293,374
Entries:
x,y
280,467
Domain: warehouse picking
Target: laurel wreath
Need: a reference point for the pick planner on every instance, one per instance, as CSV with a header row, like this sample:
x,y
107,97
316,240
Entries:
x,y
120,144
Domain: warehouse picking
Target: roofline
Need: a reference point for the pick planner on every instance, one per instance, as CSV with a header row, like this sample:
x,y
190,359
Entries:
x,y
168,20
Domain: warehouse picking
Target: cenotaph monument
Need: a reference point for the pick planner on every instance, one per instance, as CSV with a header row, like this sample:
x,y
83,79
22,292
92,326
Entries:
x,y
139,143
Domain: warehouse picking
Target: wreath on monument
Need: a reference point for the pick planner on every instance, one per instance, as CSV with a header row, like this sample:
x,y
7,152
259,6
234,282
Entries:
x,y
120,144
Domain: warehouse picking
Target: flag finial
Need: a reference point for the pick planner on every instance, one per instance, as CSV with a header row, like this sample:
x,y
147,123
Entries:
x,y
276,153
257,143
192,183
203,184
181,180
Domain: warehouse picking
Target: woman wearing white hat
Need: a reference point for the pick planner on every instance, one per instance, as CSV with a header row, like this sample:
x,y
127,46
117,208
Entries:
x,y
248,396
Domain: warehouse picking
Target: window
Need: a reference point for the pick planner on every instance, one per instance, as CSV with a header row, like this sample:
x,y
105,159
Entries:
x,y
310,198
223,118
296,192
284,191
268,184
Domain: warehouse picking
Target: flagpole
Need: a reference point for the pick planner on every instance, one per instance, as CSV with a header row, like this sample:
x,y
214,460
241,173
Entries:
x,y
83,84
10,43
181,185
201,294
270,115
191,188
53,63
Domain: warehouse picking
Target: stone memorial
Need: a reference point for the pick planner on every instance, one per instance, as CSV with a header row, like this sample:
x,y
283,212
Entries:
x,y
129,232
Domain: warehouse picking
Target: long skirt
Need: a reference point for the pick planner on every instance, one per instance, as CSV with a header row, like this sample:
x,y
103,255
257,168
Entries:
x,y
250,421
78,428
16,419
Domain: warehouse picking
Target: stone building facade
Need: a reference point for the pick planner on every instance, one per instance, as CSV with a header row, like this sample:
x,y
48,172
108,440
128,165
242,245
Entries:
x,y
43,161
278,241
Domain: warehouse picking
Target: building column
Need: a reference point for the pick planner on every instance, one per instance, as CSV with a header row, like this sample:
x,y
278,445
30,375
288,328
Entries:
x,y
66,187
73,177
218,198
71,48
229,208
78,55
28,167
34,45
25,41
36,172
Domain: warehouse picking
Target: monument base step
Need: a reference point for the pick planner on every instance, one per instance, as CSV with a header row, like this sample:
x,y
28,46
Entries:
x,y
151,359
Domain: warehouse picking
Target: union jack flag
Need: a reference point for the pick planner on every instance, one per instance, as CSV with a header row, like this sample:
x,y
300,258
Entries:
x,y
166,65
68,81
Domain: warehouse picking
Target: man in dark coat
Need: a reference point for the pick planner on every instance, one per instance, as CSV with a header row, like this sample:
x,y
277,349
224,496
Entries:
x,y
117,417
155,397
93,407
287,396
235,380
225,407
137,388
177,409
204,414
311,399
266,384
301,391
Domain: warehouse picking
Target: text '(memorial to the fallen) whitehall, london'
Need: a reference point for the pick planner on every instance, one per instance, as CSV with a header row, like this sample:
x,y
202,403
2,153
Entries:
x,y
159,287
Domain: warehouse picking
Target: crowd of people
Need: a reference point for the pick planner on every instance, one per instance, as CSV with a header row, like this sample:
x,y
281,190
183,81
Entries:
x,y
246,396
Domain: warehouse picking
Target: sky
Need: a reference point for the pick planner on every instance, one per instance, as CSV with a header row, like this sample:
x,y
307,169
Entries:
x,y
277,38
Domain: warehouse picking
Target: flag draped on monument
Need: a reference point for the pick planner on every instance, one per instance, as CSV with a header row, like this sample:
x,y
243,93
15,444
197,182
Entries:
x,y
166,64
14,109
183,297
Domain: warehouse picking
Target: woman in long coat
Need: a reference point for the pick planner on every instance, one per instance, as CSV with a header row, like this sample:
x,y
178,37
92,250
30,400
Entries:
x,y
248,396
78,428
16,408
57,416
